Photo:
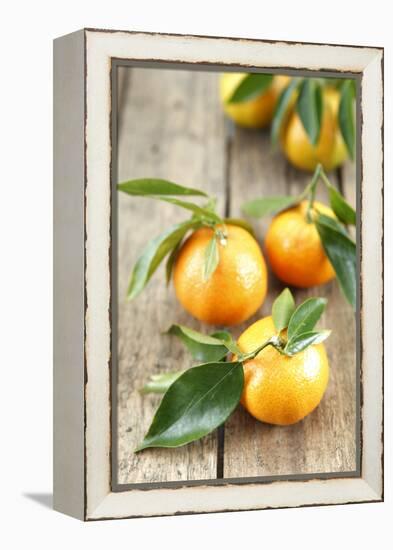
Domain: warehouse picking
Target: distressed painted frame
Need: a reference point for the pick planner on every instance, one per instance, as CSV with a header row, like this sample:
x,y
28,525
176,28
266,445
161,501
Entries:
x,y
83,131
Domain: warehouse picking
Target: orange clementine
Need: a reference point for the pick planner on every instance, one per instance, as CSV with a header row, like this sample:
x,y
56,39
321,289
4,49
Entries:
x,y
256,113
234,291
294,249
339,152
279,389
330,149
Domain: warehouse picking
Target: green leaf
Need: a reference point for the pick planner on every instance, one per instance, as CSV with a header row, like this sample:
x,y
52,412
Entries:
x,y
346,116
190,337
211,204
202,347
240,223
309,107
159,383
331,222
228,342
252,86
222,335
283,308
305,339
153,254
199,336
199,401
171,262
258,208
340,207
281,109
164,190
151,186
212,258
332,82
306,316
199,211
341,251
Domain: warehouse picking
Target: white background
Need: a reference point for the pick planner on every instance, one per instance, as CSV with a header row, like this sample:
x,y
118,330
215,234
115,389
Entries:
x,y
26,271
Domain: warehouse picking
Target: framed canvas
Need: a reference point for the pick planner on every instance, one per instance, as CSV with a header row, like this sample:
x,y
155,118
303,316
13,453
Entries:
x,y
241,144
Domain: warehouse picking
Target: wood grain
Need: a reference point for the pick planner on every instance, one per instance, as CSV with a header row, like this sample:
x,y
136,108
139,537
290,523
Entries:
x,y
172,126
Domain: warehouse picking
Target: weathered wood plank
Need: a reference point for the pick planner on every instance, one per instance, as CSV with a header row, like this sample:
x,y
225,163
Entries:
x,y
325,440
173,127
170,127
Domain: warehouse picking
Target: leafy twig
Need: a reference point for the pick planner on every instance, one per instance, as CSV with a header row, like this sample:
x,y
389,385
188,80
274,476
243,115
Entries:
x,y
168,243
200,399
338,246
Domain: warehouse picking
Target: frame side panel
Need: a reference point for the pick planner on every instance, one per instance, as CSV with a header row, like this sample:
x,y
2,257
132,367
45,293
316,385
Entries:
x,y
372,273
68,242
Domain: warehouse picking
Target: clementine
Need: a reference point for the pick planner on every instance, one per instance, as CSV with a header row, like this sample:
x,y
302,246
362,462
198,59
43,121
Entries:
x,y
279,389
255,113
237,287
294,249
330,150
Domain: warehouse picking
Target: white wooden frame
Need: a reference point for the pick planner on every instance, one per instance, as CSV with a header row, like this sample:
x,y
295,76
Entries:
x,y
82,336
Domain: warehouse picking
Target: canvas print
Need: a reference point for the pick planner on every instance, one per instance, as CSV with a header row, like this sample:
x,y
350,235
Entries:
x,y
234,339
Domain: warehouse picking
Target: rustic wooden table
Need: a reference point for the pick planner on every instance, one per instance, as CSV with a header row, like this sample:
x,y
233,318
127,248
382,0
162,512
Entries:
x,y
171,126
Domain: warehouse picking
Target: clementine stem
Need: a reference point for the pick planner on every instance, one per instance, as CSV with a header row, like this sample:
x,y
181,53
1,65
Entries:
x,y
325,179
312,190
273,341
